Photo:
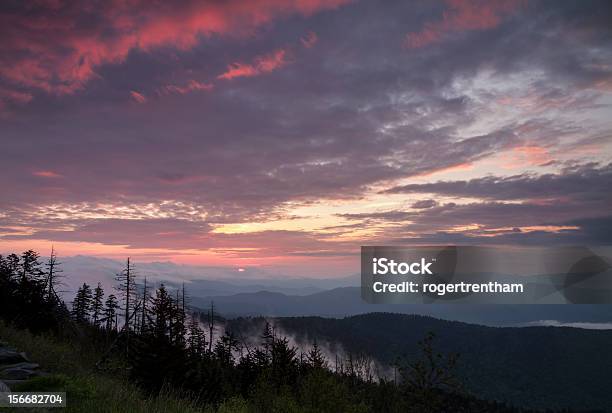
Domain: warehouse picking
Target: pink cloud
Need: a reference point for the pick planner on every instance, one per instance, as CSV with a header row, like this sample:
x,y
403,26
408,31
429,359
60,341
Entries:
x,y
10,97
527,156
46,174
191,86
138,97
309,40
51,49
463,15
262,64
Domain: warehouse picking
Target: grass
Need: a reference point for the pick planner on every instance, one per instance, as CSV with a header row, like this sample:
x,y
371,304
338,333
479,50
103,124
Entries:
x,y
72,370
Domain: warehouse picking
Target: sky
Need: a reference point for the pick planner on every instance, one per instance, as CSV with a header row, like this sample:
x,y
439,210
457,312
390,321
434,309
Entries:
x,y
285,134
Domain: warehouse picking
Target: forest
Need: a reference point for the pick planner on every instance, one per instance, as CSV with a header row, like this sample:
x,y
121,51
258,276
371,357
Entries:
x,y
149,336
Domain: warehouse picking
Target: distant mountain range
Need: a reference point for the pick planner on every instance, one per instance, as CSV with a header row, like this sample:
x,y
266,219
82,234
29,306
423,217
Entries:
x,y
199,280
536,367
257,292
341,302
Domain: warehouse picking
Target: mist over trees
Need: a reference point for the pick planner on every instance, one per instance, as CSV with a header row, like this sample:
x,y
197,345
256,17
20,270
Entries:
x,y
152,337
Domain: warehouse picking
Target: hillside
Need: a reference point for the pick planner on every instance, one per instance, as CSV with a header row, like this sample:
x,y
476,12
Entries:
x,y
70,367
537,367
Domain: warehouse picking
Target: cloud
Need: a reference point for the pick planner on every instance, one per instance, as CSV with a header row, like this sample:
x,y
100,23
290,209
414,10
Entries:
x,y
57,48
261,65
581,183
424,204
185,234
138,97
14,96
310,40
463,15
46,174
150,233
495,223
345,120
191,86
571,206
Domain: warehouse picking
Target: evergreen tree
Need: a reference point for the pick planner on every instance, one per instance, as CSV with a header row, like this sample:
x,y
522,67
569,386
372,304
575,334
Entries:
x,y
430,377
97,305
284,362
225,347
196,342
268,340
8,286
177,322
12,264
111,306
30,266
81,306
315,357
162,309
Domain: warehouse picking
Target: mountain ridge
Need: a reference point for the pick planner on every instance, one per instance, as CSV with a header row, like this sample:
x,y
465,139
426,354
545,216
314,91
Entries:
x,y
346,301
532,367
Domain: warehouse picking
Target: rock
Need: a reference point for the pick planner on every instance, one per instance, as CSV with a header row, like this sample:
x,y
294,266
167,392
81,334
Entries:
x,y
4,388
9,356
22,365
17,374
15,368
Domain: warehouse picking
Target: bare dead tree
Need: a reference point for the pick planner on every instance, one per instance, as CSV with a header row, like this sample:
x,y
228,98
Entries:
x,y
144,307
127,284
211,325
53,276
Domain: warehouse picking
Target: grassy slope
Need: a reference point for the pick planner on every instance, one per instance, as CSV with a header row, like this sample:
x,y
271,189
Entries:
x,y
87,390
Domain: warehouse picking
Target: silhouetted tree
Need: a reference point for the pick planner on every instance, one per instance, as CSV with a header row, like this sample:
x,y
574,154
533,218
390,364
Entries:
x,y
315,357
225,347
53,277
30,266
196,342
143,314
177,322
97,305
211,325
267,339
127,286
111,306
428,379
11,264
81,306
162,311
